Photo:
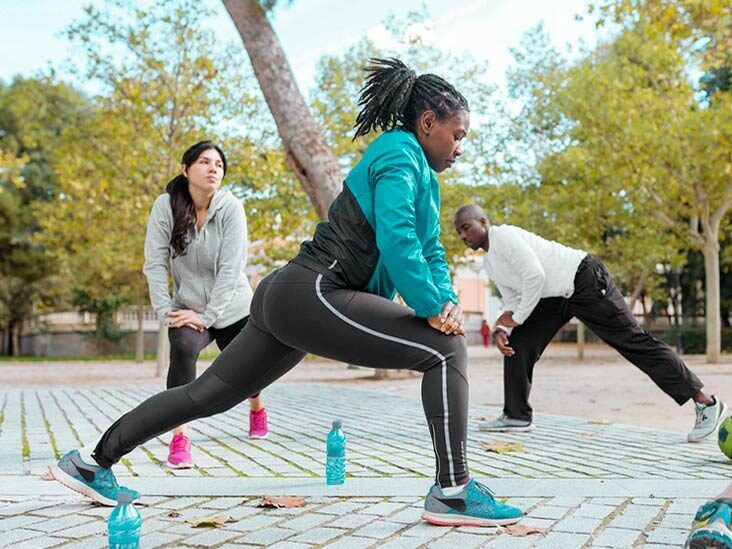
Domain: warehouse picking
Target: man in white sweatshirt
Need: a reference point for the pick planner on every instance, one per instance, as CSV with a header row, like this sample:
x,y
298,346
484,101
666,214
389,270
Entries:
x,y
544,284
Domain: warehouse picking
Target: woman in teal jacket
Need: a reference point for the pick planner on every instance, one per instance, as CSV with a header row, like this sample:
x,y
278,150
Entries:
x,y
334,299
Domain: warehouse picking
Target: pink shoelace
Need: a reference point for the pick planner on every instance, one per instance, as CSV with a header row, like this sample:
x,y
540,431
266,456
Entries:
x,y
259,421
180,443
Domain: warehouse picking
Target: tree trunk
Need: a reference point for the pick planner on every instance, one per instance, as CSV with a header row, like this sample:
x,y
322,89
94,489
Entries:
x,y
637,292
14,328
140,340
580,340
310,156
163,354
713,317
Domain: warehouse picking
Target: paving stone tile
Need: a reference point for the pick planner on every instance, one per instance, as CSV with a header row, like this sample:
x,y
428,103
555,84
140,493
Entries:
x,y
319,536
379,529
616,537
668,536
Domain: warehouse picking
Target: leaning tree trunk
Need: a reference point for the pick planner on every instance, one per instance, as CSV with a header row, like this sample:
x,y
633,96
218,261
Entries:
x,y
310,156
712,291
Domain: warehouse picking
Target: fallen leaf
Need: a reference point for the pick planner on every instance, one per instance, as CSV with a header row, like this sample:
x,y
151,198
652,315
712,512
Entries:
x,y
500,447
174,514
281,501
47,475
598,422
521,530
210,522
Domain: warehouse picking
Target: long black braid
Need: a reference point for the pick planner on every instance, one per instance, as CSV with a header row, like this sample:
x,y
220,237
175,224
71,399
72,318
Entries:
x,y
394,96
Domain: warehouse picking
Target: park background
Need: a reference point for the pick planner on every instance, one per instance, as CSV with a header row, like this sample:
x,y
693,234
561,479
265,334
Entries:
x,y
606,125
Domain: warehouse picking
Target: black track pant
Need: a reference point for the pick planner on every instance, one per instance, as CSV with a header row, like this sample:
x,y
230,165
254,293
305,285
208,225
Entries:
x,y
297,311
600,305
186,344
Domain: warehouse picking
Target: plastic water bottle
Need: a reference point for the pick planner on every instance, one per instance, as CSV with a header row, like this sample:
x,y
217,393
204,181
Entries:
x,y
335,466
124,523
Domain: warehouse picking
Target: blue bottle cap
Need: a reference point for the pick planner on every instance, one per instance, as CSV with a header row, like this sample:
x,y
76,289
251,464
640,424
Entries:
x,y
337,424
124,496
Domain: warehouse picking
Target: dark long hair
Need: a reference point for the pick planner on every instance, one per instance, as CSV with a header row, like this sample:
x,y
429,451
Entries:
x,y
394,96
181,202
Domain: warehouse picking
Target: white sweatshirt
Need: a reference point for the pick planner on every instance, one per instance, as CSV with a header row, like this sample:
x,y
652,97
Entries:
x,y
526,268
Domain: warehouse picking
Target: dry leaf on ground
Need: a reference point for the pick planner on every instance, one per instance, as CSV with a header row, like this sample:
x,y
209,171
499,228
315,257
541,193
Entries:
x,y
598,422
174,514
500,447
47,475
210,522
281,501
521,530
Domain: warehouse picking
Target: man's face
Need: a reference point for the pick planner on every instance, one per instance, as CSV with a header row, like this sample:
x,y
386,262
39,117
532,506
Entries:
x,y
473,232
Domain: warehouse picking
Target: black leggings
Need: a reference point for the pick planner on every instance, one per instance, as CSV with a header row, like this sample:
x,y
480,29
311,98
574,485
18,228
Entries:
x,y
186,344
297,311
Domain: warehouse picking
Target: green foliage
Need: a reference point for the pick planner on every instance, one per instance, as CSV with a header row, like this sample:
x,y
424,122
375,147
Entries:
x,y
165,84
694,340
105,308
33,113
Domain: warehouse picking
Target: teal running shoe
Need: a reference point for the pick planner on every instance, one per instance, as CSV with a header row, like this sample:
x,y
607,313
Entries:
x,y
476,505
90,480
711,526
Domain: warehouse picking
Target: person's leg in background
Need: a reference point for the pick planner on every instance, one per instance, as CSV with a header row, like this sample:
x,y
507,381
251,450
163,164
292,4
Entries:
x,y
528,342
185,346
258,425
598,302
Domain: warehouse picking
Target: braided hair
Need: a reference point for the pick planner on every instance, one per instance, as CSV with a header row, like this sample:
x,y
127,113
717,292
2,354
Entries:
x,y
394,96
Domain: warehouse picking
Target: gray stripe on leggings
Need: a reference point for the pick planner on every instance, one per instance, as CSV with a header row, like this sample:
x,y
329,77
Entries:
x,y
410,344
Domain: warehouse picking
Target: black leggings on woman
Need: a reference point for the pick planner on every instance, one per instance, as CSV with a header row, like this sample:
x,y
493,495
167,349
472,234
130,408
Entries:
x,y
296,311
186,344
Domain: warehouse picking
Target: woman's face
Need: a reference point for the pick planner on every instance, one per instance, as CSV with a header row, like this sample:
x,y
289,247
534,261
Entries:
x,y
441,139
206,173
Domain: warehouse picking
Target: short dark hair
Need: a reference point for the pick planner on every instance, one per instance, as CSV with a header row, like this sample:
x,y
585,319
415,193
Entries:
x,y
471,209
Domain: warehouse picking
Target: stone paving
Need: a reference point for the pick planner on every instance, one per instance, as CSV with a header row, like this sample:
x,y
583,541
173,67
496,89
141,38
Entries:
x,y
589,484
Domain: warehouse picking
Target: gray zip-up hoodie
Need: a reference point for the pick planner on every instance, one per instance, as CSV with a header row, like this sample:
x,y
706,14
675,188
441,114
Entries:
x,y
209,278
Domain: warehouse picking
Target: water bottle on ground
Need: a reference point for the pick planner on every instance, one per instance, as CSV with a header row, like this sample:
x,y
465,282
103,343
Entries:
x,y
124,523
335,467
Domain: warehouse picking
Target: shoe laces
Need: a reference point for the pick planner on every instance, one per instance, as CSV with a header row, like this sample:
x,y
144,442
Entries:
x,y
258,420
106,480
701,415
179,444
487,491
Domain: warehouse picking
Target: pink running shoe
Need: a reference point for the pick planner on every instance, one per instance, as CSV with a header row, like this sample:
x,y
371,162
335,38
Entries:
x,y
180,452
258,424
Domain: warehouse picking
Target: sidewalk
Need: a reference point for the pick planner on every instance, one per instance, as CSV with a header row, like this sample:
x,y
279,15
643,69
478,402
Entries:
x,y
592,485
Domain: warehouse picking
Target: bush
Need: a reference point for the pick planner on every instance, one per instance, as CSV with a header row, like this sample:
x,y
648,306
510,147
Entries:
x,y
694,340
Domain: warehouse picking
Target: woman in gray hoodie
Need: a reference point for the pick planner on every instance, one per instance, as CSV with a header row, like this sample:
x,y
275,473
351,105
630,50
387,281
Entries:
x,y
198,232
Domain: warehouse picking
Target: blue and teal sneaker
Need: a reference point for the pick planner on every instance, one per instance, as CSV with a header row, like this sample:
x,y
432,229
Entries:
x,y
476,505
91,480
711,526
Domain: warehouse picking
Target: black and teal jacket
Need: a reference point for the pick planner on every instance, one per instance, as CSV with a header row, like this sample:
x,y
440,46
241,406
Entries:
x,y
383,230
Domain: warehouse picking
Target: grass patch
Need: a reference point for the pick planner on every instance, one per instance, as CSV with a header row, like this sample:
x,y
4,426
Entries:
x,y
24,436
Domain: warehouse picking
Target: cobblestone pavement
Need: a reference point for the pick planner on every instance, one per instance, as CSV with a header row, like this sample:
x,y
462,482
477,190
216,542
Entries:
x,y
589,484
